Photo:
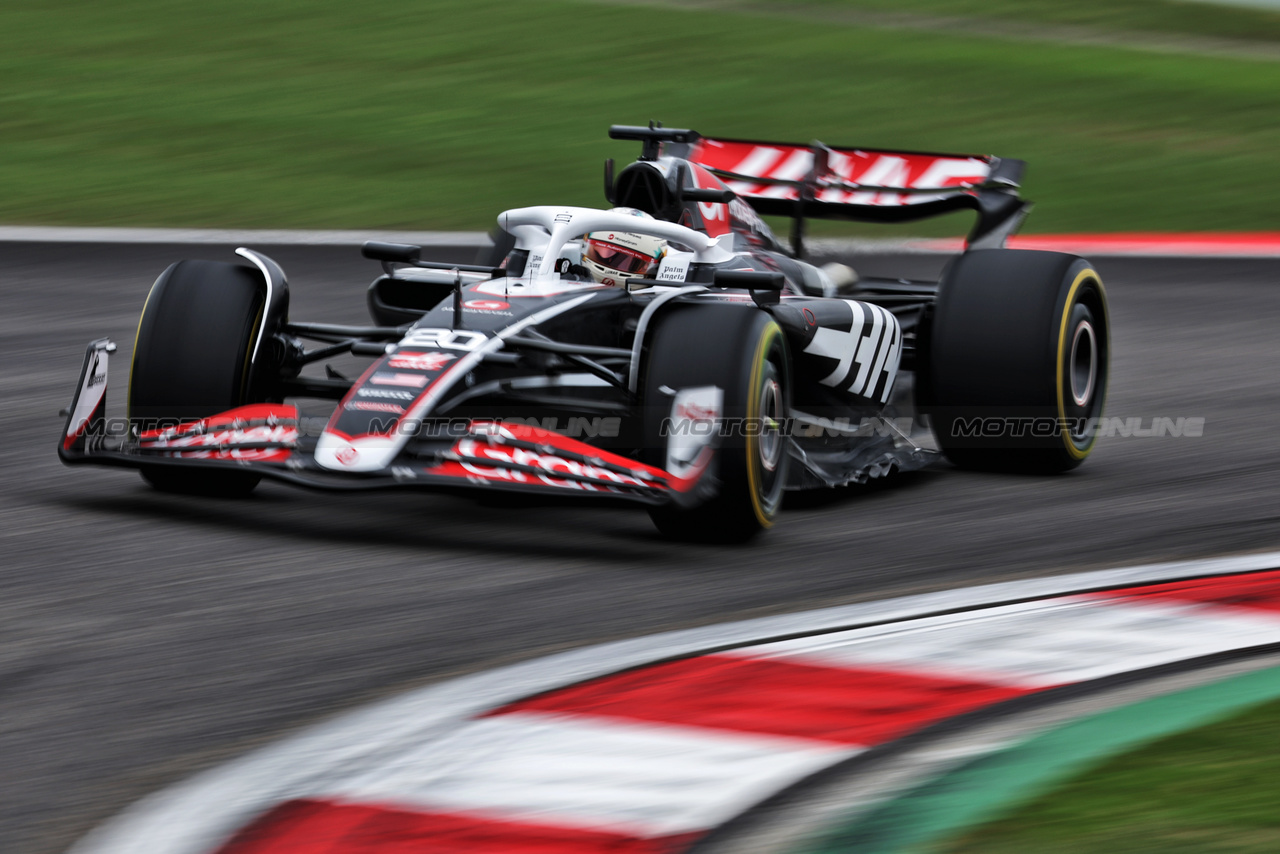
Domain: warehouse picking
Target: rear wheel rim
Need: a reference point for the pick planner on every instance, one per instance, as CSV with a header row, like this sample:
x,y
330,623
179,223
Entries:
x,y
771,406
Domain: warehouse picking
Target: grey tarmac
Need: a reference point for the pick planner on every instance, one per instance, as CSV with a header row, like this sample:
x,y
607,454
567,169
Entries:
x,y
145,637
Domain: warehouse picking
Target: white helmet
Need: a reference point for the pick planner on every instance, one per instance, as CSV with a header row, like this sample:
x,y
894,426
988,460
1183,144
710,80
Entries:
x,y
612,257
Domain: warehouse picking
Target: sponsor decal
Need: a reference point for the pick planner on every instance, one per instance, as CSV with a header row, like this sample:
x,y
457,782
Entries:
x,y
693,411
715,215
373,406
420,362
444,339
347,456
694,416
385,393
94,378
222,444
90,397
740,210
847,173
675,266
254,415
549,459
549,466
408,380
266,434
486,305
808,317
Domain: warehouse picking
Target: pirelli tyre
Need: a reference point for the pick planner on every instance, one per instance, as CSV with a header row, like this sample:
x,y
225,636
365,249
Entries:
x,y
741,352
192,358
1014,364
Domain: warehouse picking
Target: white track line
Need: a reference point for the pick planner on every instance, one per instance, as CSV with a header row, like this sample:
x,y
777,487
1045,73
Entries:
x,y
819,247
233,237
1036,644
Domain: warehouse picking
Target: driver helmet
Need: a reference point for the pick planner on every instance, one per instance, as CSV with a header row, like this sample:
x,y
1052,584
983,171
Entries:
x,y
612,257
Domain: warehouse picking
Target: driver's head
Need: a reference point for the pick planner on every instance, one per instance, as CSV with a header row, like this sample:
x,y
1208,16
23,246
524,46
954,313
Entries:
x,y
612,257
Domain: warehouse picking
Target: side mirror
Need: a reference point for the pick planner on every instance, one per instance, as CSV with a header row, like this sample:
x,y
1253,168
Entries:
x,y
403,253
765,287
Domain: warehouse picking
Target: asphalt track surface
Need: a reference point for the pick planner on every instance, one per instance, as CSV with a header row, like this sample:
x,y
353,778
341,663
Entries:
x,y
144,637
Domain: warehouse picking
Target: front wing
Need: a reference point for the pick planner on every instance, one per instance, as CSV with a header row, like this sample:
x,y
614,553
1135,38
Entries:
x,y
268,440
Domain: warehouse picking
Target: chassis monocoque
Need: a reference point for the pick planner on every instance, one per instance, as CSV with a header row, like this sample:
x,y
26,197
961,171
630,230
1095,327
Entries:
x,y
737,372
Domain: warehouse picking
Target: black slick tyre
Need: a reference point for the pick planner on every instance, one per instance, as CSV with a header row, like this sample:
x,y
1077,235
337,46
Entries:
x,y
742,351
192,358
1015,366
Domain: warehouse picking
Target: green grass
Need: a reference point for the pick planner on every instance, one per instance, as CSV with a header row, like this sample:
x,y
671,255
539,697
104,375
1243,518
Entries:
x,y
1213,789
1154,16
440,114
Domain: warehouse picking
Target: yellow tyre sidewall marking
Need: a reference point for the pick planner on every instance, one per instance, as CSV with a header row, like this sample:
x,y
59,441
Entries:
x,y
765,343
248,353
133,358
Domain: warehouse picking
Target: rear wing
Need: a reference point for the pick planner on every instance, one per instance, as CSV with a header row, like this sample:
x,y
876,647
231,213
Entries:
x,y
819,181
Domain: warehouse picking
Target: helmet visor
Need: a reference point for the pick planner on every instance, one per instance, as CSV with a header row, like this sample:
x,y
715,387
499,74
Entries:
x,y
618,257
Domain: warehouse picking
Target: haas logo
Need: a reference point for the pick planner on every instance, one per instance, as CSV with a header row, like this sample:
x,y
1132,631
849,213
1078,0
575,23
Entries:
x,y
711,210
93,378
347,456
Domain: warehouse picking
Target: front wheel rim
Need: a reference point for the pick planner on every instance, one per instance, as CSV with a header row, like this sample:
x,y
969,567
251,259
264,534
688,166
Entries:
x,y
1083,366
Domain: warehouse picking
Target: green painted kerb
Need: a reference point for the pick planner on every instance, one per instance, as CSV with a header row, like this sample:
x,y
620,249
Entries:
x,y
986,788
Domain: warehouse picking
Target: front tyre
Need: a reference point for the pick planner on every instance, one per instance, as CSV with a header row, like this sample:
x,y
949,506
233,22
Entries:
x,y
192,358
1015,368
743,352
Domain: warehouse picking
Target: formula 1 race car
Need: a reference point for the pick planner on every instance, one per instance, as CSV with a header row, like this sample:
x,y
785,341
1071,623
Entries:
x,y
702,386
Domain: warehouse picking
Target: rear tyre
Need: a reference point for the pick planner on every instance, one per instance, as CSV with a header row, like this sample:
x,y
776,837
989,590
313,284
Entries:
x,y
742,351
192,359
1015,366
